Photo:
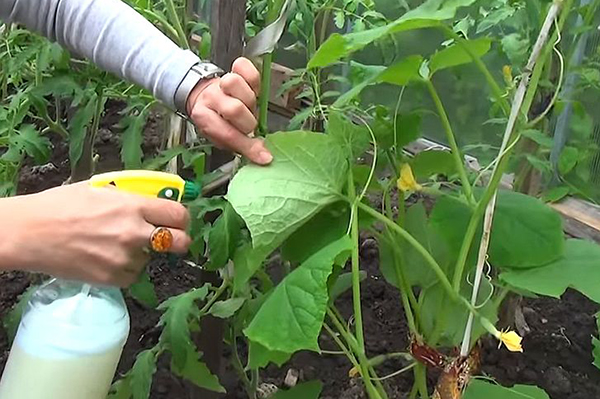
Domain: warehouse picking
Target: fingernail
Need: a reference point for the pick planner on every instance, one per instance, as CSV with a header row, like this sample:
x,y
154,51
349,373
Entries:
x,y
265,157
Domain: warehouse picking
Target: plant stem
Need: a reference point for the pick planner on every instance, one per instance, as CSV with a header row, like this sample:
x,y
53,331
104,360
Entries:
x,y
222,288
413,392
237,365
362,358
174,17
265,93
254,380
421,380
341,345
456,153
356,266
273,11
498,92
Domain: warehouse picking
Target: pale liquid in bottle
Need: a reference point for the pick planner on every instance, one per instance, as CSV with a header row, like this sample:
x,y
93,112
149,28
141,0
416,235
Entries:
x,y
67,349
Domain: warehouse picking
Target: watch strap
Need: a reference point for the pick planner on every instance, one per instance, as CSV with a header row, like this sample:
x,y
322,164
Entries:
x,y
198,72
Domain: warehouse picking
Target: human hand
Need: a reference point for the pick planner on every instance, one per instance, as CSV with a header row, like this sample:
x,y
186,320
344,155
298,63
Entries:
x,y
224,109
95,235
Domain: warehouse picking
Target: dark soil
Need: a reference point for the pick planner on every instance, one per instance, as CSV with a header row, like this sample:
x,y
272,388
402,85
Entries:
x,y
557,353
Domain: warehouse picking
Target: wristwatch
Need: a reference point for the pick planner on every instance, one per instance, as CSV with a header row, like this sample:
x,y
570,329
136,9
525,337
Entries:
x,y
198,72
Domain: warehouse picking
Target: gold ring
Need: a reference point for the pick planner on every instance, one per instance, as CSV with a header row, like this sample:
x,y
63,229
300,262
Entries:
x,y
161,239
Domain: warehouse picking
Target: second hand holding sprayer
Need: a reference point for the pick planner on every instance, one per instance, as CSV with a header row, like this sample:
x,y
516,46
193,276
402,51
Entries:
x,y
72,334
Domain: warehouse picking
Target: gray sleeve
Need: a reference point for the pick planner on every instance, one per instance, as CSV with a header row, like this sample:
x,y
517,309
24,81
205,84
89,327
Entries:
x,y
113,36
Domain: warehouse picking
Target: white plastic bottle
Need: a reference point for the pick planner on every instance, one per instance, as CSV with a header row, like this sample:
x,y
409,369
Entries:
x,y
68,344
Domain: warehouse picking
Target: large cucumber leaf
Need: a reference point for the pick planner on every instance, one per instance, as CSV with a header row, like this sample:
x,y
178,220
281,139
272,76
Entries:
x,y
478,389
307,174
292,316
578,268
526,233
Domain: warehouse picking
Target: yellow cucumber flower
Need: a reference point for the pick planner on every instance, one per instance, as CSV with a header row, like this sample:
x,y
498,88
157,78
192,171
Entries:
x,y
407,181
507,74
512,341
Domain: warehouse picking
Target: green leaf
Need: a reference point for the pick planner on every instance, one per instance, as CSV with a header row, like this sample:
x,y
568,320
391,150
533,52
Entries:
x,y
259,357
343,283
556,194
197,372
198,229
29,140
568,159
433,162
13,318
403,72
525,233
577,268
131,145
396,131
436,301
516,48
141,374
78,128
494,18
479,389
179,311
542,165
363,76
246,261
353,138
396,249
163,158
223,238
227,308
143,291
457,54
429,14
307,390
417,271
307,174
327,226
59,86
292,316
538,137
596,344
121,389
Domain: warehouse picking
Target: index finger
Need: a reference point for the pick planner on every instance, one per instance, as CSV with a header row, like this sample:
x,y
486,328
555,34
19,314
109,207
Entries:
x,y
165,213
246,69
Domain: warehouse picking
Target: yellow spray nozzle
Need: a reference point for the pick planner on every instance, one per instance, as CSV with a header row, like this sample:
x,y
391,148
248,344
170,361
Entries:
x,y
148,183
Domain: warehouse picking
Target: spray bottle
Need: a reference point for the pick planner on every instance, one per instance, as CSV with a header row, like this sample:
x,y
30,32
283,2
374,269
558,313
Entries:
x,y
71,335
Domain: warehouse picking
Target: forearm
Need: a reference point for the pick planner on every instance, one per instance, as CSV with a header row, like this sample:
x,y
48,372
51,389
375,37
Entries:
x,y
10,212
113,36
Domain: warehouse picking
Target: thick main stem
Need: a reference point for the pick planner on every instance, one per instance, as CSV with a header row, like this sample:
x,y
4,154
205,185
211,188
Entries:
x,y
456,153
274,9
516,111
265,94
421,380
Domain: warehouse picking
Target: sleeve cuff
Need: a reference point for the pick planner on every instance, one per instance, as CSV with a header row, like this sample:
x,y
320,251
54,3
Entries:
x,y
184,89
